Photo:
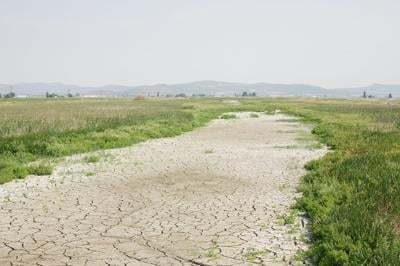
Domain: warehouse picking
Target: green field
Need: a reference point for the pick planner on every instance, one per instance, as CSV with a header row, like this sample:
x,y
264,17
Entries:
x,y
352,195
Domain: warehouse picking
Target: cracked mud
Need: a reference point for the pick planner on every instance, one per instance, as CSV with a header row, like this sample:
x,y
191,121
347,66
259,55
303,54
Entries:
x,y
216,196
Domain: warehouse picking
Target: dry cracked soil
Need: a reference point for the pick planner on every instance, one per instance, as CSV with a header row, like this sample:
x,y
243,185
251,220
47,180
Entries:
x,y
219,195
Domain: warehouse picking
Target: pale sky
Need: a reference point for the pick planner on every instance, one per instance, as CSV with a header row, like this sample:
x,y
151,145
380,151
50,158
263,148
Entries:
x,y
332,43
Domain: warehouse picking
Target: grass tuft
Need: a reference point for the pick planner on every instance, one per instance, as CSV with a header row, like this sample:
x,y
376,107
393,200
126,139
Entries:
x,y
287,219
40,169
253,254
92,159
228,116
254,115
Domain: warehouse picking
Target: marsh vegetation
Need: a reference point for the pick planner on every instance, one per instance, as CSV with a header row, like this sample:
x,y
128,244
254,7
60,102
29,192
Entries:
x,y
352,195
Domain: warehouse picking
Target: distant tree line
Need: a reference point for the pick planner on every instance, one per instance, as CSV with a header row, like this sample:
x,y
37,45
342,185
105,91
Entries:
x,y
8,95
247,94
54,95
390,96
180,95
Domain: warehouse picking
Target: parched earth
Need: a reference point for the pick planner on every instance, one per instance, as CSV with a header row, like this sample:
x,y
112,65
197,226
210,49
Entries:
x,y
219,195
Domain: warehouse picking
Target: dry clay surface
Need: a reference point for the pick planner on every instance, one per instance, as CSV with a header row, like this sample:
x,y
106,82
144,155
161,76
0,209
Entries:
x,y
219,195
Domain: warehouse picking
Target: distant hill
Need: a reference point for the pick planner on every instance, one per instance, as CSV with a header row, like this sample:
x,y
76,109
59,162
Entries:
x,y
206,87
210,87
376,90
40,89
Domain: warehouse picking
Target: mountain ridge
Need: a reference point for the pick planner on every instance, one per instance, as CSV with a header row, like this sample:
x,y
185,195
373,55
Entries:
x,y
206,87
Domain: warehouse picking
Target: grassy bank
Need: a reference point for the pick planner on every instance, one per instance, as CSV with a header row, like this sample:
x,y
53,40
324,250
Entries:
x,y
352,195
35,132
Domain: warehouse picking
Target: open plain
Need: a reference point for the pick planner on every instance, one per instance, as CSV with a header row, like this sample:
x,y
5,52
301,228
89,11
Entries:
x,y
219,195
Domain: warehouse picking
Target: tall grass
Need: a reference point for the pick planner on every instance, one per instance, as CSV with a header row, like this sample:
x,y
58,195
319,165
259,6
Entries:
x,y
41,129
353,194
34,130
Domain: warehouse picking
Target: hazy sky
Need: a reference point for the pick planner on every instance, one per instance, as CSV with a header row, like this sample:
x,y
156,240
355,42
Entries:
x,y
96,42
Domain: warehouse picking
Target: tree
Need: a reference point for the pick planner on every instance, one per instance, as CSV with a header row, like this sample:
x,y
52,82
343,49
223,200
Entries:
x,y
10,95
244,94
180,95
51,95
364,94
70,95
390,96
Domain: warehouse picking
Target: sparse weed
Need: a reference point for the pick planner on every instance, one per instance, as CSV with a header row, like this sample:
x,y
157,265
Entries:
x,y
253,254
283,187
293,146
300,255
287,219
228,116
263,226
254,115
212,253
92,159
293,230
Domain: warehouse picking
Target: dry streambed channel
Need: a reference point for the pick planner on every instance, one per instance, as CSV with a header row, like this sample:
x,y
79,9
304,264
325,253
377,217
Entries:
x,y
220,195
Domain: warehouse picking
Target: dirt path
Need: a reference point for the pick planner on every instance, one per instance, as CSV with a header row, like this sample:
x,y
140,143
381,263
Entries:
x,y
215,196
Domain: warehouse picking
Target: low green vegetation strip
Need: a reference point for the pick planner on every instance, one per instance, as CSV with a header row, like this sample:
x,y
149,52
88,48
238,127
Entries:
x,y
35,132
352,194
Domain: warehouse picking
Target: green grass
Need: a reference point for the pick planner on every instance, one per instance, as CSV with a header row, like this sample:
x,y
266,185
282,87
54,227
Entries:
x,y
33,130
352,195
289,218
252,254
40,169
212,253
